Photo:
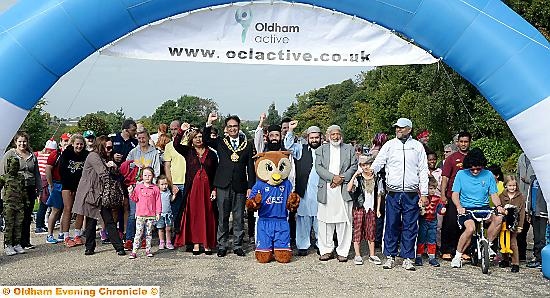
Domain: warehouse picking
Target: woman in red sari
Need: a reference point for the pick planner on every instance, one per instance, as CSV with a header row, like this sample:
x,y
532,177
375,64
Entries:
x,y
198,224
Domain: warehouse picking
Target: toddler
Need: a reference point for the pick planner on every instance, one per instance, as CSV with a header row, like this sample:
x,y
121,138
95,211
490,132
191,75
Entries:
x,y
166,221
427,225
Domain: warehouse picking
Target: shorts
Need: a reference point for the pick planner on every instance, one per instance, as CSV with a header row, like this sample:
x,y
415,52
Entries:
x,y
462,218
55,199
272,234
364,225
165,220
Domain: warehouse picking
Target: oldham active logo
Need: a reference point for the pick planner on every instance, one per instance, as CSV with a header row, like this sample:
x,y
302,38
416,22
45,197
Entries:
x,y
243,16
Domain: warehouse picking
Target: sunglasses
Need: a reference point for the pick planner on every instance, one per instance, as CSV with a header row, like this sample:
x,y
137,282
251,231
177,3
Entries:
x,y
476,169
108,148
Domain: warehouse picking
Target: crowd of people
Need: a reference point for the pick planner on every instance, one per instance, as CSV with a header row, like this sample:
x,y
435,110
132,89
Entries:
x,y
191,185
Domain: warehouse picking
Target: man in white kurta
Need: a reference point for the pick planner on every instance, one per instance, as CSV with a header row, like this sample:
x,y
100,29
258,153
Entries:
x,y
335,164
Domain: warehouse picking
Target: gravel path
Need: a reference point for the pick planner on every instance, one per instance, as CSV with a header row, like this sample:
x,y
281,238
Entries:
x,y
179,273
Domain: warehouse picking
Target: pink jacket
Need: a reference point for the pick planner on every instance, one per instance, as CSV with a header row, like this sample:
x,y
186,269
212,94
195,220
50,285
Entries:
x,y
147,200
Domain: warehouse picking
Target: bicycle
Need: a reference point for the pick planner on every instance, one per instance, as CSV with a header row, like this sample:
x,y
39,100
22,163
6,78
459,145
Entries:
x,y
480,247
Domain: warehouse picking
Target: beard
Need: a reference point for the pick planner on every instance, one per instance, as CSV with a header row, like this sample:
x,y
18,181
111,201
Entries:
x,y
335,143
274,146
314,145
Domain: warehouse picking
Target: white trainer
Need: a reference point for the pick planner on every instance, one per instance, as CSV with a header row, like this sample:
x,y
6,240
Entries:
x,y
375,260
358,260
456,262
18,249
9,250
389,263
408,265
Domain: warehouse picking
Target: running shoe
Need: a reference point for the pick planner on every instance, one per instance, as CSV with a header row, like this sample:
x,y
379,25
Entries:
x,y
456,262
169,246
133,255
149,253
375,260
18,249
434,262
128,245
408,265
40,231
69,242
390,262
77,240
358,260
50,239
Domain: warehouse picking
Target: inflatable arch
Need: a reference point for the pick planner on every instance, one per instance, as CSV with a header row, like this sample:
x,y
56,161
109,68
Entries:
x,y
491,46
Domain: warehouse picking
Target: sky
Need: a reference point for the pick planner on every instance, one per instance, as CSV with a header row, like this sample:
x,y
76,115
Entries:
x,y
139,86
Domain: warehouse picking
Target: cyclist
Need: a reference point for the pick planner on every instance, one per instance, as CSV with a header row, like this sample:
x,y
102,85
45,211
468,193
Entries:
x,y
471,190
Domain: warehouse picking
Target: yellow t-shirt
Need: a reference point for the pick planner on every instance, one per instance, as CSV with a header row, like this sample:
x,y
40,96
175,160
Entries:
x,y
177,163
500,189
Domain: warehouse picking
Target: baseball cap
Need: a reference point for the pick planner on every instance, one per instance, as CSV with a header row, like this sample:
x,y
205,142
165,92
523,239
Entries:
x,y
403,122
313,129
65,136
89,134
50,144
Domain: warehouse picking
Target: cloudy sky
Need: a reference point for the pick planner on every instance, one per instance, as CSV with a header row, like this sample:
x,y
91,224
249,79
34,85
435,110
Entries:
x,y
139,86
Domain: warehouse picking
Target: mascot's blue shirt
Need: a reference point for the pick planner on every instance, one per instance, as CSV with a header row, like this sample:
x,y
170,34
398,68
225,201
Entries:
x,y
273,199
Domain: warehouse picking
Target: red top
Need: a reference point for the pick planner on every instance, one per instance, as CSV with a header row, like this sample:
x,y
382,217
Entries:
x,y
434,206
452,165
42,158
52,161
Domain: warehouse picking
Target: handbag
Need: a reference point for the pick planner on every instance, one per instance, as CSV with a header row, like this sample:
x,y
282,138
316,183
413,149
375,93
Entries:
x,y
112,194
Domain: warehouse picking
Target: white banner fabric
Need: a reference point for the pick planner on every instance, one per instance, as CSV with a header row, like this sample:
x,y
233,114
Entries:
x,y
280,33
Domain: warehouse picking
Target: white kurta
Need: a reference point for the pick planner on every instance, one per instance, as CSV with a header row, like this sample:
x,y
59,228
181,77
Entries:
x,y
335,210
335,215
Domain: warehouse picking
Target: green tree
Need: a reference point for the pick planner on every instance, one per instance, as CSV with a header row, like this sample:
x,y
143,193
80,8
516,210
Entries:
x,y
273,116
37,125
191,109
95,123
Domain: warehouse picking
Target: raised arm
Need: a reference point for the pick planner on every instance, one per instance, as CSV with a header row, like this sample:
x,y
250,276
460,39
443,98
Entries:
x,y
294,148
181,149
259,135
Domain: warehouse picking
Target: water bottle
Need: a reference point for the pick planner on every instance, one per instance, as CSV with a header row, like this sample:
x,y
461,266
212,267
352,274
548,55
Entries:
x,y
545,253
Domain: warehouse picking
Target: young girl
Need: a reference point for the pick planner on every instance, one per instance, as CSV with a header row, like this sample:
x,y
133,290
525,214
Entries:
x,y
148,209
165,223
512,196
362,191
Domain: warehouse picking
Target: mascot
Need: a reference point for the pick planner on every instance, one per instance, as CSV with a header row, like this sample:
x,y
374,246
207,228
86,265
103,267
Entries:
x,y
272,196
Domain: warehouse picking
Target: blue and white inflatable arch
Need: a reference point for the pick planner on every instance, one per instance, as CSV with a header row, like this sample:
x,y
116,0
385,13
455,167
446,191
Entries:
x,y
486,42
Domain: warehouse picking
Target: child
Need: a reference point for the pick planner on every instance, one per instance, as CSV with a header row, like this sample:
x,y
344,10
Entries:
x,y
427,225
512,196
363,190
537,215
14,197
148,209
165,223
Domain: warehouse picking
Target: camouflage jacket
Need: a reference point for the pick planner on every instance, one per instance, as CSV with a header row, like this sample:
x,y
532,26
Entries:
x,y
13,182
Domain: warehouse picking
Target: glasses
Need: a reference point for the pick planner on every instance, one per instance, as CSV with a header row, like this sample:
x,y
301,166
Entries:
x,y
476,169
108,148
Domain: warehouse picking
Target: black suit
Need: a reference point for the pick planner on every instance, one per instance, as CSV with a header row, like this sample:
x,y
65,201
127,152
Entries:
x,y
232,181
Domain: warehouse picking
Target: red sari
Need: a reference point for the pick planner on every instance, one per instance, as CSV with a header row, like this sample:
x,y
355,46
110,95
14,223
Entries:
x,y
198,223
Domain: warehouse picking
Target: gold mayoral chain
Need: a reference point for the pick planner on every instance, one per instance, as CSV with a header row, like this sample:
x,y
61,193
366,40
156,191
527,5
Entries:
x,y
235,156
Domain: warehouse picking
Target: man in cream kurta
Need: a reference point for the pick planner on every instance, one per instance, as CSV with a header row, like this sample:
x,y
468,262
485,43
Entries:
x,y
335,163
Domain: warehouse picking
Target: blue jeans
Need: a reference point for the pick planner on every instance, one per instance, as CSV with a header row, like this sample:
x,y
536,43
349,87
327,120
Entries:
x,y
178,206
131,224
402,213
41,215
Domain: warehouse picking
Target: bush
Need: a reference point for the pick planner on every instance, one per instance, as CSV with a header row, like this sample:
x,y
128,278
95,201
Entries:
x,y
499,152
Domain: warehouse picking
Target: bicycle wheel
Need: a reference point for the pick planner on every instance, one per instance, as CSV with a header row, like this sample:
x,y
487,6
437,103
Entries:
x,y
484,256
474,251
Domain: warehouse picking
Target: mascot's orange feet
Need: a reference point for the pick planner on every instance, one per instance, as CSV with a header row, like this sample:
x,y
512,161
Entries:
x,y
264,256
283,256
